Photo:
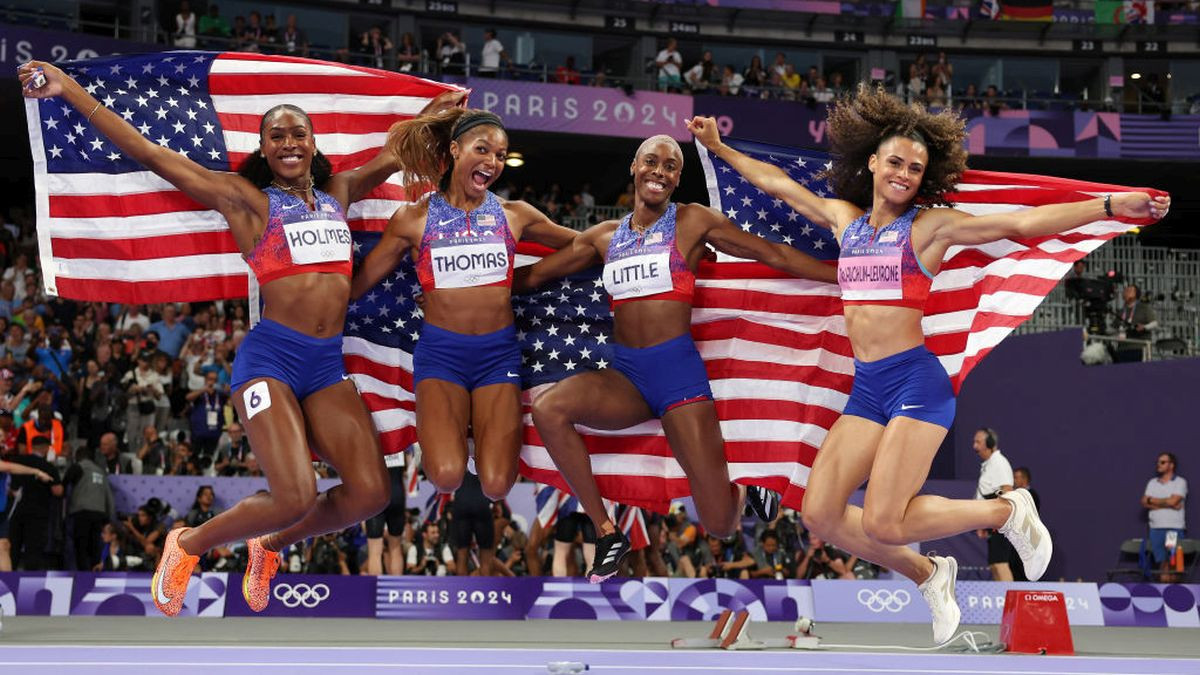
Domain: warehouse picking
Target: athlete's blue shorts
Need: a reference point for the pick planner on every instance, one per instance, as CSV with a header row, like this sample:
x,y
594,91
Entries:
x,y
909,384
1157,542
470,361
302,362
667,375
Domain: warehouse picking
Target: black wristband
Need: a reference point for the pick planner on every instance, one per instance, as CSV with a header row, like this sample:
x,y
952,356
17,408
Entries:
x,y
1108,205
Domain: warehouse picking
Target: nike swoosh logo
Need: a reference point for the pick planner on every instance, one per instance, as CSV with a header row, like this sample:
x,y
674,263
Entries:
x,y
623,244
158,592
910,407
292,206
511,375
443,223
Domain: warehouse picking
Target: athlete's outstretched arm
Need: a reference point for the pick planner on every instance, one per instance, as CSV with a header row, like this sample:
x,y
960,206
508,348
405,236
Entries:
x,y
350,186
388,253
731,239
227,193
828,213
582,252
957,227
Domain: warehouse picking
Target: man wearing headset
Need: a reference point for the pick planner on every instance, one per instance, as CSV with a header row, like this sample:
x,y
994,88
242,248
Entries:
x,y
995,476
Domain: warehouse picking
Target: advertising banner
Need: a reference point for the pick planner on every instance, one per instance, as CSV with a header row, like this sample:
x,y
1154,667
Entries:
x,y
217,594
309,595
983,601
598,111
780,122
19,44
454,597
869,601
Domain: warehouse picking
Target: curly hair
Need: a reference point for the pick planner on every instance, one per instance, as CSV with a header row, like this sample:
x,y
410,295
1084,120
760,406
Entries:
x,y
255,168
859,124
422,144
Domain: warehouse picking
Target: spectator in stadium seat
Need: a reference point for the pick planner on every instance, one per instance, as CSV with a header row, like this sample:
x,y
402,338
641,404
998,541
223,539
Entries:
x,y
822,561
821,92
110,451
115,552
153,452
232,451
701,77
794,86
731,81
172,333
566,73
970,98
669,63
756,78
145,533
942,72
770,560
991,102
491,54
429,556
185,29
205,415
452,53
214,28
408,54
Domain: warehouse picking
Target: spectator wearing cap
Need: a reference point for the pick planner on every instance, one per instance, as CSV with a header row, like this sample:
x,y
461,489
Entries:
x,y
31,518
89,507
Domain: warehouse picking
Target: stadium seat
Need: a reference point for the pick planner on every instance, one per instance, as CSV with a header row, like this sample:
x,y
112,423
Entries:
x,y
1129,560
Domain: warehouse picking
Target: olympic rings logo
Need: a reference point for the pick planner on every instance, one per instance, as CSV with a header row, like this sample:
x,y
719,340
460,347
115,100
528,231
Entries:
x,y
884,600
295,595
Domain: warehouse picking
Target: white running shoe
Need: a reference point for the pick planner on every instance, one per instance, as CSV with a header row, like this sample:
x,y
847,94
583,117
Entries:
x,y
938,590
1025,531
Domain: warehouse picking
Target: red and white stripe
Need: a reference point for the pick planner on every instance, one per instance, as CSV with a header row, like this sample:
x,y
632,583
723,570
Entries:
x,y
134,238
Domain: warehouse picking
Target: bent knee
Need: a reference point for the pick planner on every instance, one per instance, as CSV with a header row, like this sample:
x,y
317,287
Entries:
x,y
549,409
445,476
496,488
820,519
291,504
883,530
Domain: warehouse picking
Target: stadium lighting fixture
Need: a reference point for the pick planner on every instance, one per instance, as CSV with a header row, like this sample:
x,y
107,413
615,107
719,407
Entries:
x,y
514,160
1135,76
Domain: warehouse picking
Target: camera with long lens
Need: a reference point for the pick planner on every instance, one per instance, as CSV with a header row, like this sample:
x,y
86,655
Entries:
x,y
1094,295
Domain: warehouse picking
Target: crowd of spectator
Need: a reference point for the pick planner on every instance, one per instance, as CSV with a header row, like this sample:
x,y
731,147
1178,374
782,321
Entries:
x,y
89,390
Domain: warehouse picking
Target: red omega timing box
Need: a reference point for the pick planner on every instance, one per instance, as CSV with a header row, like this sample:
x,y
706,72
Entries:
x,y
1035,622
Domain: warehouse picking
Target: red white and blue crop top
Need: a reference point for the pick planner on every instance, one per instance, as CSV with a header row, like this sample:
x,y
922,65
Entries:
x,y
881,268
298,241
647,265
460,249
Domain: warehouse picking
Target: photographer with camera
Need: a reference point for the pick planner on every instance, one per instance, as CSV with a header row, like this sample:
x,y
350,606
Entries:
x,y
429,556
769,560
204,415
822,561
1136,321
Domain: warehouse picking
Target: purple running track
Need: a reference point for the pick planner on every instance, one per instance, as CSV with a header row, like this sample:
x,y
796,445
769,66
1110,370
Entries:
x,y
122,660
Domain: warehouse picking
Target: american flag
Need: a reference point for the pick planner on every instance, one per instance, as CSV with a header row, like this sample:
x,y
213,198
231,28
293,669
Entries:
x,y
110,230
775,348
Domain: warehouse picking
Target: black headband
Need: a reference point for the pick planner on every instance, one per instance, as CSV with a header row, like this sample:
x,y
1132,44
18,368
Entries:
x,y
469,122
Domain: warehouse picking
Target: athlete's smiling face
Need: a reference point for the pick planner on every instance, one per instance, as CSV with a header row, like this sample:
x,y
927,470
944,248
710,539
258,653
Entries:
x,y
656,172
898,166
288,146
479,158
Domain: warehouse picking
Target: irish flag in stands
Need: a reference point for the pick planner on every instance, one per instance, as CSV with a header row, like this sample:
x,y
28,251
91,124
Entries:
x,y
110,230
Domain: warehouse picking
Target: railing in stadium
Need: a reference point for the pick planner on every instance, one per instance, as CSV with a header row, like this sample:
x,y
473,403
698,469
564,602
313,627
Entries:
x,y
1169,280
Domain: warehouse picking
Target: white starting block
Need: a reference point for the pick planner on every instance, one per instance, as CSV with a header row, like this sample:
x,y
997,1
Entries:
x,y
732,632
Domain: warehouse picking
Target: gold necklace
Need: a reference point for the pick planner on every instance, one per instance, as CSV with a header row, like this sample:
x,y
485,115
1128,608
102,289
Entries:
x,y
289,188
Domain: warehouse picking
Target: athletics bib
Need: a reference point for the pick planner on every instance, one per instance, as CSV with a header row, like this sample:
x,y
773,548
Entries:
x,y
464,262
638,275
315,238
